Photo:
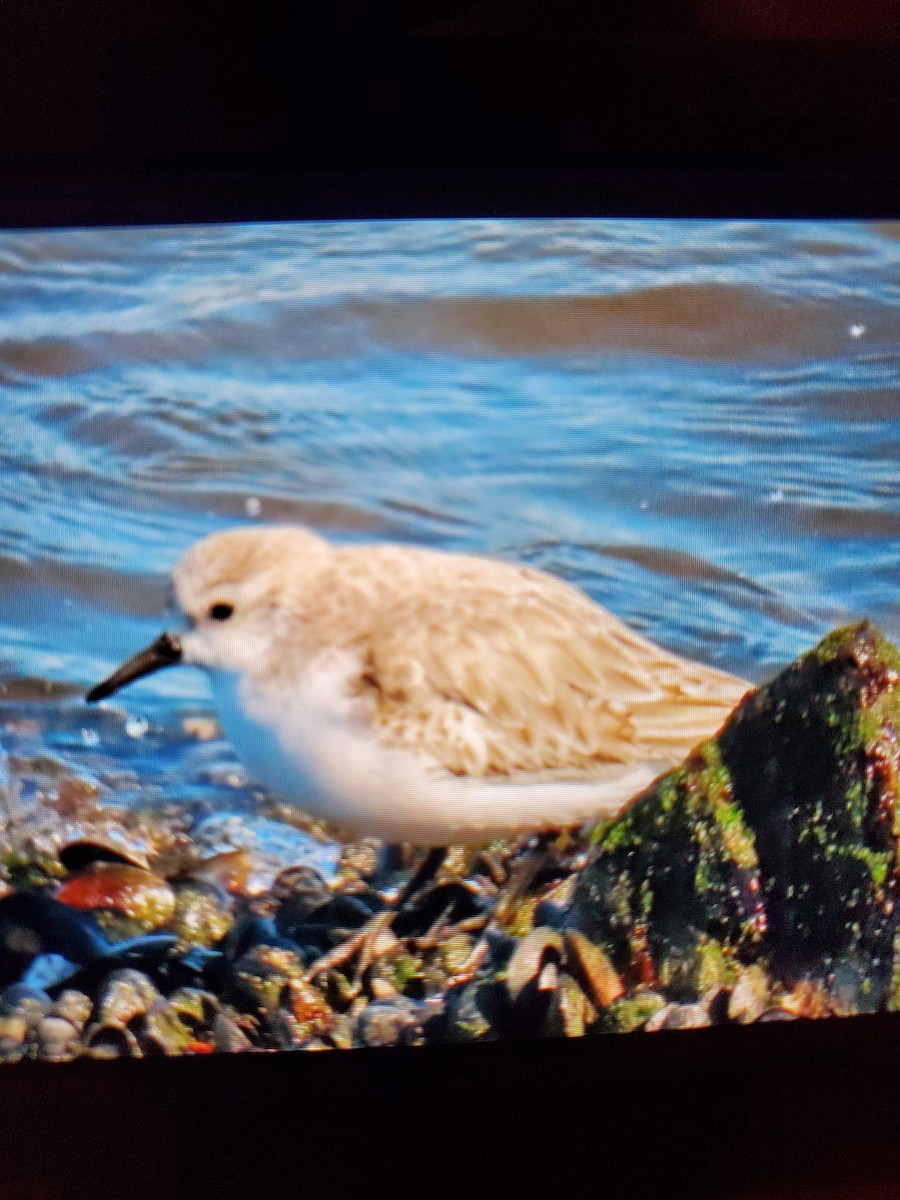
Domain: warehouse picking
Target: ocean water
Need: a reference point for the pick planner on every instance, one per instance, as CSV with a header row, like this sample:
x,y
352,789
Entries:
x,y
697,422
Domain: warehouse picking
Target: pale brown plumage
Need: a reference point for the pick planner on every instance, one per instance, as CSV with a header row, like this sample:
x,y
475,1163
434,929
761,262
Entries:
x,y
484,669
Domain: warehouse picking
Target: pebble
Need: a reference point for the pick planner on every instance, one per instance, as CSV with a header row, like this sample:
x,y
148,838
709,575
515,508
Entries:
x,y
389,1023
750,997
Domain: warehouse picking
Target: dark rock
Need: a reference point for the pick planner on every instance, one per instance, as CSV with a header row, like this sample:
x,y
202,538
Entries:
x,y
477,1012
775,842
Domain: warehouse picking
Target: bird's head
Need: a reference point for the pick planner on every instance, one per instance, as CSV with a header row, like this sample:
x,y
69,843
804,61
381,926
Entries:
x,y
227,590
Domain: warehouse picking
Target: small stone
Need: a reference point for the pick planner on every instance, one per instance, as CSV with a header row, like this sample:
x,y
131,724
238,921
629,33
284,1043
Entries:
x,y
382,989
808,999
658,1019
687,1016
265,972
73,1006
750,997
389,1024
308,1007
55,1036
636,1009
341,1032
13,1032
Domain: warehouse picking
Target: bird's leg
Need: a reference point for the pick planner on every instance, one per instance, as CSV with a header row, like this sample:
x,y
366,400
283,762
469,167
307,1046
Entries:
x,y
364,941
528,862
424,873
470,968
522,873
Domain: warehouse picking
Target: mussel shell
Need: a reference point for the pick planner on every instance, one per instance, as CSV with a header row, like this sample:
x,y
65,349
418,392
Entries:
x,y
111,1041
678,1016
548,913
229,871
263,974
591,967
250,930
80,853
327,925
530,956
22,998
303,885
34,923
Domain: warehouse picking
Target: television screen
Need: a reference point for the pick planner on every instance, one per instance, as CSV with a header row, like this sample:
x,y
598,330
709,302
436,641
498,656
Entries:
x,y
436,631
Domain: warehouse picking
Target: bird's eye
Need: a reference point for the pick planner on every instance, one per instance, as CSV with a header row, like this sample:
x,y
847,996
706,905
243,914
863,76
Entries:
x,y
221,612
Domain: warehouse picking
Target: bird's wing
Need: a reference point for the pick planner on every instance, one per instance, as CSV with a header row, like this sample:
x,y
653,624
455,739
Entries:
x,y
495,669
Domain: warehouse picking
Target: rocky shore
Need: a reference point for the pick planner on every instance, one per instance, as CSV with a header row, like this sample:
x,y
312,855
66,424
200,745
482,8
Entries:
x,y
755,882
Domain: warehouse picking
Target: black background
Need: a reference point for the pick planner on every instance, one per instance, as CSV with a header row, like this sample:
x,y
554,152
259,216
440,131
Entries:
x,y
185,108
179,111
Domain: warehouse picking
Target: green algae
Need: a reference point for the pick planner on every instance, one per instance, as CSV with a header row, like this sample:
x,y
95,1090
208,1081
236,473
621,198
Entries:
x,y
668,864
406,970
200,917
717,965
633,1011
27,871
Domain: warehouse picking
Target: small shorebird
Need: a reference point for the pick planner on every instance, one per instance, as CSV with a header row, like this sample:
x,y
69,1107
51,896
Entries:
x,y
428,697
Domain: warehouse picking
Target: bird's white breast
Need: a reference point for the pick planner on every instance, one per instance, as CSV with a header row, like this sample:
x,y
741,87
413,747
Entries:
x,y
259,741
312,745
309,743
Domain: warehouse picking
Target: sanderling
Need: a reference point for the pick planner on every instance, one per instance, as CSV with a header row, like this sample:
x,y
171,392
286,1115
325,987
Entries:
x,y
428,697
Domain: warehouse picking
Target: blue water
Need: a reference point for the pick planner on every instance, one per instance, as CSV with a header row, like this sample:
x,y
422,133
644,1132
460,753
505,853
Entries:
x,y
697,422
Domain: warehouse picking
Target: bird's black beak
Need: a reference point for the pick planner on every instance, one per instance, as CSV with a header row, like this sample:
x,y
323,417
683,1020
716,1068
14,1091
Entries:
x,y
164,652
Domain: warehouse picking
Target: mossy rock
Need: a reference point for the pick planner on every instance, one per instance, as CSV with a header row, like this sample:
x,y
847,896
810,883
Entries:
x,y
775,841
